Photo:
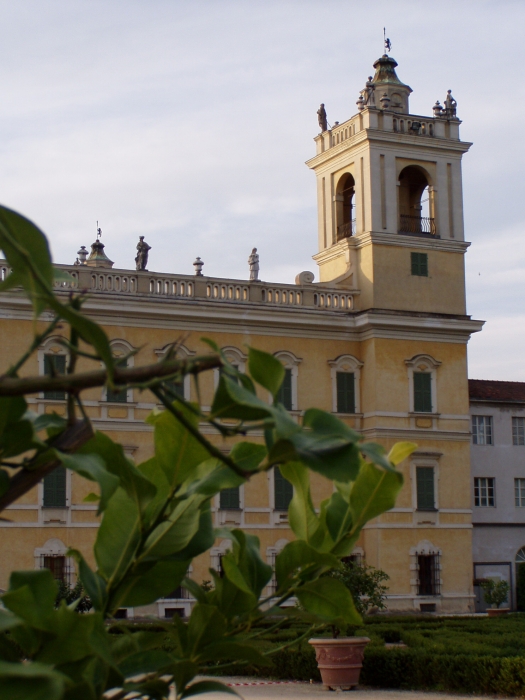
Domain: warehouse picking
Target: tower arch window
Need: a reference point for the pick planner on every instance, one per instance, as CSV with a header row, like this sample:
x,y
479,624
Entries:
x,y
287,394
344,200
121,350
52,361
422,381
345,373
182,387
416,205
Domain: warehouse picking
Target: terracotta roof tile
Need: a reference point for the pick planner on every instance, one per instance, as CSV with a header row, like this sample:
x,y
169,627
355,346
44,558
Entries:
x,y
489,390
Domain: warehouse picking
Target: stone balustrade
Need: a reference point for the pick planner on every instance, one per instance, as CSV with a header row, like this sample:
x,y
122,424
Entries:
x,y
95,281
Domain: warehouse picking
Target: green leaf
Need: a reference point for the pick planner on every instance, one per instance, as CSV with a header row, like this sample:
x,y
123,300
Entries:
x,y
60,275
12,281
47,421
92,467
301,513
208,687
22,241
234,401
233,651
266,370
30,681
31,596
136,485
145,661
206,625
246,551
118,536
376,454
145,588
338,516
177,451
248,455
374,492
175,533
94,585
400,451
203,539
298,560
330,600
12,408
7,620
4,482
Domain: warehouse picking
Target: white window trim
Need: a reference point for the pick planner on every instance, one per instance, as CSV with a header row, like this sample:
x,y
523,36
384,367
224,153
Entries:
x,y
350,364
235,357
494,505
278,517
271,555
424,547
423,363
45,512
228,516
55,547
119,348
182,353
519,505
290,361
51,346
221,549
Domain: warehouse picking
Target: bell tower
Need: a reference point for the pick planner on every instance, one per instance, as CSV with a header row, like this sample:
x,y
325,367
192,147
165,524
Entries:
x,y
390,199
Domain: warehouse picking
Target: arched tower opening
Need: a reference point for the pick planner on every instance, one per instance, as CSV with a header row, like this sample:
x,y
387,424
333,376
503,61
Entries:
x,y
416,207
345,207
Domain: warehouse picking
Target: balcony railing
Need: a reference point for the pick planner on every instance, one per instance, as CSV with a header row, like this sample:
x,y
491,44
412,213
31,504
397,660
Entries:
x,y
346,230
417,224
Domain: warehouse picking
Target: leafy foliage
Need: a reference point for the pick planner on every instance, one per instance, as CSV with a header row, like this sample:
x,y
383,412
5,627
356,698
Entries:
x,y
156,516
73,594
365,583
496,592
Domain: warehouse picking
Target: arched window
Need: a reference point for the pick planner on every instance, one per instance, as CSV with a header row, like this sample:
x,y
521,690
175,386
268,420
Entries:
x,y
345,373
422,383
287,394
52,361
416,207
183,387
120,349
344,207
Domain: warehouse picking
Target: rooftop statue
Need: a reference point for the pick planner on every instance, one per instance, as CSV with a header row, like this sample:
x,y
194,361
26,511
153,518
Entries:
x,y
322,118
142,254
450,105
369,93
253,262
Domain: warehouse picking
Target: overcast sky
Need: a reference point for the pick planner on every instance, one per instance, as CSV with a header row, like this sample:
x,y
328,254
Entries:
x,y
189,122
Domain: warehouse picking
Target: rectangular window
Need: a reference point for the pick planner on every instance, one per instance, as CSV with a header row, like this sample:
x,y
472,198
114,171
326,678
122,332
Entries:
x,y
283,490
425,488
53,365
285,392
230,499
55,489
422,392
419,263
116,396
176,388
519,492
518,431
428,570
484,492
482,430
57,566
345,392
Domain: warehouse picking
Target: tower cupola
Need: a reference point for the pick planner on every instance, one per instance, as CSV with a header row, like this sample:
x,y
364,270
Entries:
x,y
386,82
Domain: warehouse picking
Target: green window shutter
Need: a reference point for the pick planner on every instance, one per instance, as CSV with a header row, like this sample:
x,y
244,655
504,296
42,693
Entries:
x,y
422,392
419,264
176,387
115,396
53,365
230,499
425,488
55,489
283,490
285,392
345,392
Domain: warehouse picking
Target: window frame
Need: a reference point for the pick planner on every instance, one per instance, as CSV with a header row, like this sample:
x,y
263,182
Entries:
x,y
418,262
52,347
119,348
350,365
420,470
182,353
274,493
518,426
291,362
475,430
489,487
428,365
519,492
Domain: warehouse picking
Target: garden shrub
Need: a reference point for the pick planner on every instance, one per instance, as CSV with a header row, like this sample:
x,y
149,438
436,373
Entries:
x,y
520,587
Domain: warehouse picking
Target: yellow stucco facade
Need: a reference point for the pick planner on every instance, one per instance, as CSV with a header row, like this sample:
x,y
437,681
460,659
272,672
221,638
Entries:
x,y
389,307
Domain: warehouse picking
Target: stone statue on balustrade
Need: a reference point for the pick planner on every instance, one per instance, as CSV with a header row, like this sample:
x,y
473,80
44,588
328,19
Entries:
x,y
322,118
369,93
142,254
450,105
253,262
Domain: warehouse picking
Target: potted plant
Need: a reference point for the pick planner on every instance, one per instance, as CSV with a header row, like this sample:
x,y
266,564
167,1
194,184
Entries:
x,y
496,593
340,659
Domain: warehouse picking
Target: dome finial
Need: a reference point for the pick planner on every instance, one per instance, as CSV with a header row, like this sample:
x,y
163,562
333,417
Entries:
x,y
387,42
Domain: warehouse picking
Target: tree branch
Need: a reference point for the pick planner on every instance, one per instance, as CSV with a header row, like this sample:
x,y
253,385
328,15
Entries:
x,y
10,386
70,440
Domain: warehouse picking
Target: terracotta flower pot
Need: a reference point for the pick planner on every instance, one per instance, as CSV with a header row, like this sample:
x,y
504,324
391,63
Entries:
x,y
497,612
340,660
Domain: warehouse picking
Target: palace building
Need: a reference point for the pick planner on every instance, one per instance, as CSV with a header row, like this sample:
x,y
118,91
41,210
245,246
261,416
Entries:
x,y
380,340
